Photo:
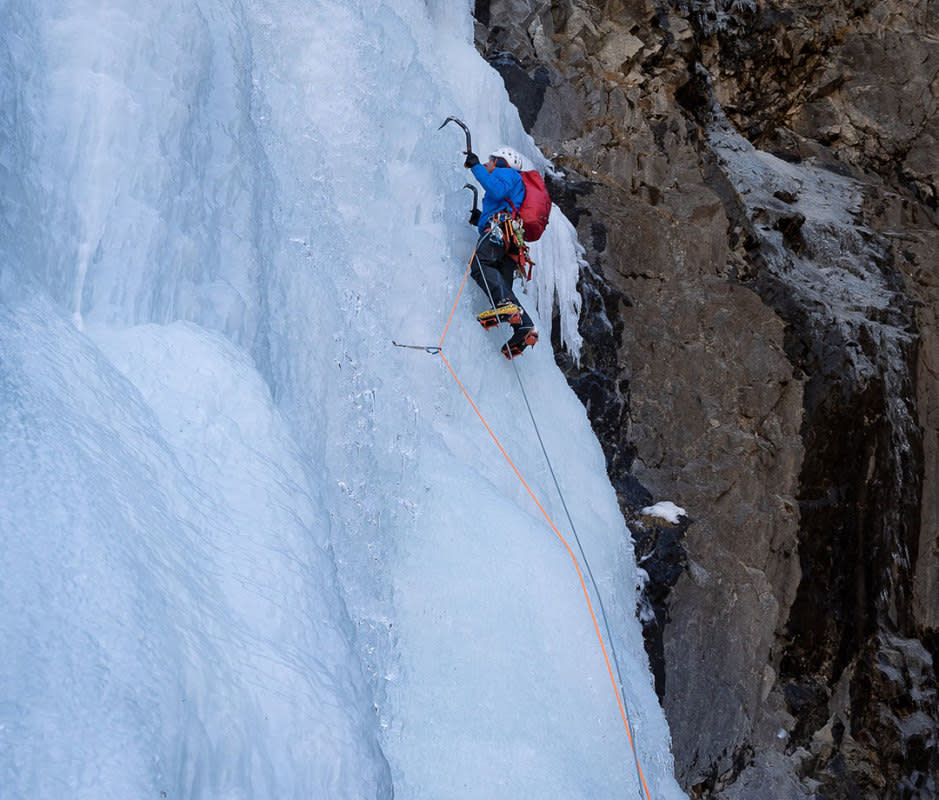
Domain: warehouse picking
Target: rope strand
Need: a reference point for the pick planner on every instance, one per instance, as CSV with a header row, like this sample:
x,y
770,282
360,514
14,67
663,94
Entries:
x,y
617,687
615,678
593,581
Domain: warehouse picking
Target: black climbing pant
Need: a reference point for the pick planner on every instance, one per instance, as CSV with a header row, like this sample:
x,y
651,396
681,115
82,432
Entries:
x,y
492,266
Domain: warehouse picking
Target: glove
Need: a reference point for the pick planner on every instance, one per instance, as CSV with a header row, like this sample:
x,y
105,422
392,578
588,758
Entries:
x,y
474,217
471,160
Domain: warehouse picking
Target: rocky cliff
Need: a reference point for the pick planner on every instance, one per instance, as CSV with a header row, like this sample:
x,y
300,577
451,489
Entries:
x,y
756,185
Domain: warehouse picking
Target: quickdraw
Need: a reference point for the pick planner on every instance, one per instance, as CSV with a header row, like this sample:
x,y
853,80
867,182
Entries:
x,y
432,349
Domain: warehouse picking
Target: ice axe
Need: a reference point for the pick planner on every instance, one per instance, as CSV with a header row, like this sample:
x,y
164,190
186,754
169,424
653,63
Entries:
x,y
469,140
474,214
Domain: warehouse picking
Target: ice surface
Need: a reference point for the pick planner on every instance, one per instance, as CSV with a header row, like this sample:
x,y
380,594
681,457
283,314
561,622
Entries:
x,y
172,619
251,549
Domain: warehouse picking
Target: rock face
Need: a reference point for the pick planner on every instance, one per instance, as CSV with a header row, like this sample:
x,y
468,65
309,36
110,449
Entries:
x,y
756,185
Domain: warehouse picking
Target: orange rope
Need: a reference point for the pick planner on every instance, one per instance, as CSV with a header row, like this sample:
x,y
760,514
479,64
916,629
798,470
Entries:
x,y
457,299
583,584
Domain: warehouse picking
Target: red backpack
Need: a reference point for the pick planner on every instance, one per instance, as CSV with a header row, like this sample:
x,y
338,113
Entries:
x,y
536,207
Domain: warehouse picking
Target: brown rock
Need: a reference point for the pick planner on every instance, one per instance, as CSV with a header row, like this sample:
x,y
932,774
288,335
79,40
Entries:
x,y
796,422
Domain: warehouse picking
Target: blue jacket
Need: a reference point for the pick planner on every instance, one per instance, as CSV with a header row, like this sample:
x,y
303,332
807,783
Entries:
x,y
501,185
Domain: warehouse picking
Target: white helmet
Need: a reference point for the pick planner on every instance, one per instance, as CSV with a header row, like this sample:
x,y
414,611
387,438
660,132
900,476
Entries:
x,y
512,158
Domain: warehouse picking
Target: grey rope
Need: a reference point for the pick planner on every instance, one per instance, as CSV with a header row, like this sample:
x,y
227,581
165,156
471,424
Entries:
x,y
570,520
589,571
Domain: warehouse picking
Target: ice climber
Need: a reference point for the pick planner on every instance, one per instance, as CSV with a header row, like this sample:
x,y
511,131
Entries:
x,y
493,266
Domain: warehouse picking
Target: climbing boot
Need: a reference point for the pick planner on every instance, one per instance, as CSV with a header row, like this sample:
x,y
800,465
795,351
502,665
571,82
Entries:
x,y
522,338
506,311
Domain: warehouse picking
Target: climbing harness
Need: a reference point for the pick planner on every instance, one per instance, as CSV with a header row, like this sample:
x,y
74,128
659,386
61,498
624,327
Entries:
x,y
612,665
513,236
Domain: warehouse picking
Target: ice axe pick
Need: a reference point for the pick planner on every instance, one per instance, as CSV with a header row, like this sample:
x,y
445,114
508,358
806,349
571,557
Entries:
x,y
469,141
